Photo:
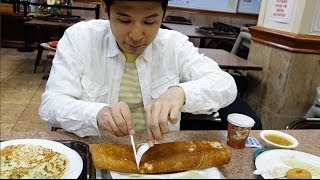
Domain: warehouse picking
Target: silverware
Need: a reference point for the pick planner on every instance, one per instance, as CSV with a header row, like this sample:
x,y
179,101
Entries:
x,y
134,150
142,149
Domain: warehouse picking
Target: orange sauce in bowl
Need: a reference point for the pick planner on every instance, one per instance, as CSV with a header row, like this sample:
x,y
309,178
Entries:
x,y
276,139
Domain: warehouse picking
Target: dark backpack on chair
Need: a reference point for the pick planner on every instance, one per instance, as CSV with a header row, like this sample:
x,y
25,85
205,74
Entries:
x,y
210,122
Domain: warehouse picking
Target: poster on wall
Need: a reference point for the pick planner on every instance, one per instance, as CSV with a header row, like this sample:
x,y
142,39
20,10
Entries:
x,y
281,10
316,21
249,6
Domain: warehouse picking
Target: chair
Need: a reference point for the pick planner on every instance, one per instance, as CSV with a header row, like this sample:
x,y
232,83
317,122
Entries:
x,y
224,35
55,128
201,122
311,119
304,123
241,48
41,47
242,45
314,111
218,121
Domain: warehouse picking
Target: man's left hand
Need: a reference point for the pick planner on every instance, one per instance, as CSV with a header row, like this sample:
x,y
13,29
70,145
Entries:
x,y
162,110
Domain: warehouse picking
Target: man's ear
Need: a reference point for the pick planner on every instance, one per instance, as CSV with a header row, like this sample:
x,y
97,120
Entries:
x,y
104,7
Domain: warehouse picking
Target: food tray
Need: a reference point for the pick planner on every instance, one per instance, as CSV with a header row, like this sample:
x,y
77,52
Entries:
x,y
88,171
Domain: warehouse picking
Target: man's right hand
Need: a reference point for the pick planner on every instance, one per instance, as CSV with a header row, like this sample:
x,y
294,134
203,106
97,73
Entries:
x,y
116,119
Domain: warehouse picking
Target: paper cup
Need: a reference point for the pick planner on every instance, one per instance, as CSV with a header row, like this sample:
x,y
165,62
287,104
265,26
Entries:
x,y
239,127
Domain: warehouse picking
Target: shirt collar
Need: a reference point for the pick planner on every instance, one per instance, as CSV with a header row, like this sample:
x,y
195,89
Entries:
x,y
114,50
147,53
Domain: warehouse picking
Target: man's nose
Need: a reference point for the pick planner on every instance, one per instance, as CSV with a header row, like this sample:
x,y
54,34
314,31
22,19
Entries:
x,y
136,33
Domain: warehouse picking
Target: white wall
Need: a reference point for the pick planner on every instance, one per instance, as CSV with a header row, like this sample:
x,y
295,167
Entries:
x,y
301,20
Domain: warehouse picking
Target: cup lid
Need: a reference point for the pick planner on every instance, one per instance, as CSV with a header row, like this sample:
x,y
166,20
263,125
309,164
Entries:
x,y
240,120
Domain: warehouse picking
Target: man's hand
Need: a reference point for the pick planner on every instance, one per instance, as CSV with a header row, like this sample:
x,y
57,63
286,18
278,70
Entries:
x,y
162,110
116,119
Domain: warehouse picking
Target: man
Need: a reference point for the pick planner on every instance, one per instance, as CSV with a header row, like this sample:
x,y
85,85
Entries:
x,y
127,74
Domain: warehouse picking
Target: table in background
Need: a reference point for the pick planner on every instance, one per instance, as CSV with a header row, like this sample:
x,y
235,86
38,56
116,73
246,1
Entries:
x,y
43,26
226,60
190,31
241,165
47,23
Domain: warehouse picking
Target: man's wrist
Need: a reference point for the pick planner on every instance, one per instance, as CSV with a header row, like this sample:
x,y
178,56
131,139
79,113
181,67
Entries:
x,y
181,92
100,113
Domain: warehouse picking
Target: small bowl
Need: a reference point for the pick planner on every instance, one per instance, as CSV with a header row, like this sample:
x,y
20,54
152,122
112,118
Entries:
x,y
278,139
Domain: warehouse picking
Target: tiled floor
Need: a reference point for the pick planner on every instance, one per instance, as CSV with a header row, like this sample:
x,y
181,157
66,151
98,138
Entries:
x,y
21,91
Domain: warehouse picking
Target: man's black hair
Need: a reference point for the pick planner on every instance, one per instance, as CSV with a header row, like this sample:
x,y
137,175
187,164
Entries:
x,y
164,4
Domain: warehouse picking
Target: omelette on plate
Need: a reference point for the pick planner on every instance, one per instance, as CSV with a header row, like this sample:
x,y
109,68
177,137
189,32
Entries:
x,y
31,161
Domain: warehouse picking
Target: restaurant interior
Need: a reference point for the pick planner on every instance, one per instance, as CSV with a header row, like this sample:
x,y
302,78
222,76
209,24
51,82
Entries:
x,y
270,47
281,90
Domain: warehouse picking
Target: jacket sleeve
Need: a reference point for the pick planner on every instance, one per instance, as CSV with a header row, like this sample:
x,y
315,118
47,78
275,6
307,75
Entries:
x,y
207,87
61,105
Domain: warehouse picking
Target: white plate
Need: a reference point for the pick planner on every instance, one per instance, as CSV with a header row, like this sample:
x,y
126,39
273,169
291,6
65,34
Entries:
x,y
76,164
292,158
209,173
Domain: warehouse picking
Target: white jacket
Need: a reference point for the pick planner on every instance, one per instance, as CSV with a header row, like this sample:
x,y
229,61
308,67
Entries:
x,y
88,65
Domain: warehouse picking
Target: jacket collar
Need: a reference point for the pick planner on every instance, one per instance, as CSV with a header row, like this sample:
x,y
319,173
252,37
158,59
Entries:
x,y
147,53
113,48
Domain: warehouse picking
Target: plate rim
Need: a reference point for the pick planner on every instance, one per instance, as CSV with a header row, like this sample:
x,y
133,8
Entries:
x,y
295,142
175,175
75,167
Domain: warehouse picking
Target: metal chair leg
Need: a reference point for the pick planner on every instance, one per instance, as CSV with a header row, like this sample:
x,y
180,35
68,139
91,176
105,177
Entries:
x,y
55,128
38,58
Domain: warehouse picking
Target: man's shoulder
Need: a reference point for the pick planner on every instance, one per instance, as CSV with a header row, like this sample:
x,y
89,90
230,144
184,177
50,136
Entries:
x,y
166,33
170,36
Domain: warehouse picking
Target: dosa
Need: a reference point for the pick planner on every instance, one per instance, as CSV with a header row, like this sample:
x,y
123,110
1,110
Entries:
x,y
162,158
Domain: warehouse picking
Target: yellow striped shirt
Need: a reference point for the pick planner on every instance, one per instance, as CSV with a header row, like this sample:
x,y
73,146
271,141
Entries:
x,y
130,91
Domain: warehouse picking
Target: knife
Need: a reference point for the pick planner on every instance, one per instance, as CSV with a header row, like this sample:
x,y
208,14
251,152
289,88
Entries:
x,y
134,150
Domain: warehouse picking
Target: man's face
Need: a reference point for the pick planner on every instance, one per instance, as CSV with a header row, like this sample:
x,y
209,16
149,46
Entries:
x,y
135,24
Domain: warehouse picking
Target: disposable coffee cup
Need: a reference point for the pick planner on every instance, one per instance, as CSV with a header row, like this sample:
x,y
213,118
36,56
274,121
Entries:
x,y
239,127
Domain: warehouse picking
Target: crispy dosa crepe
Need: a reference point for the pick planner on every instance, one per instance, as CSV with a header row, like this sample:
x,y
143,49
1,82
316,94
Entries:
x,y
162,158
25,161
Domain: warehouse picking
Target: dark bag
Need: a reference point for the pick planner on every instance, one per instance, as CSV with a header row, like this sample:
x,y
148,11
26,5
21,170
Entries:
x,y
209,122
